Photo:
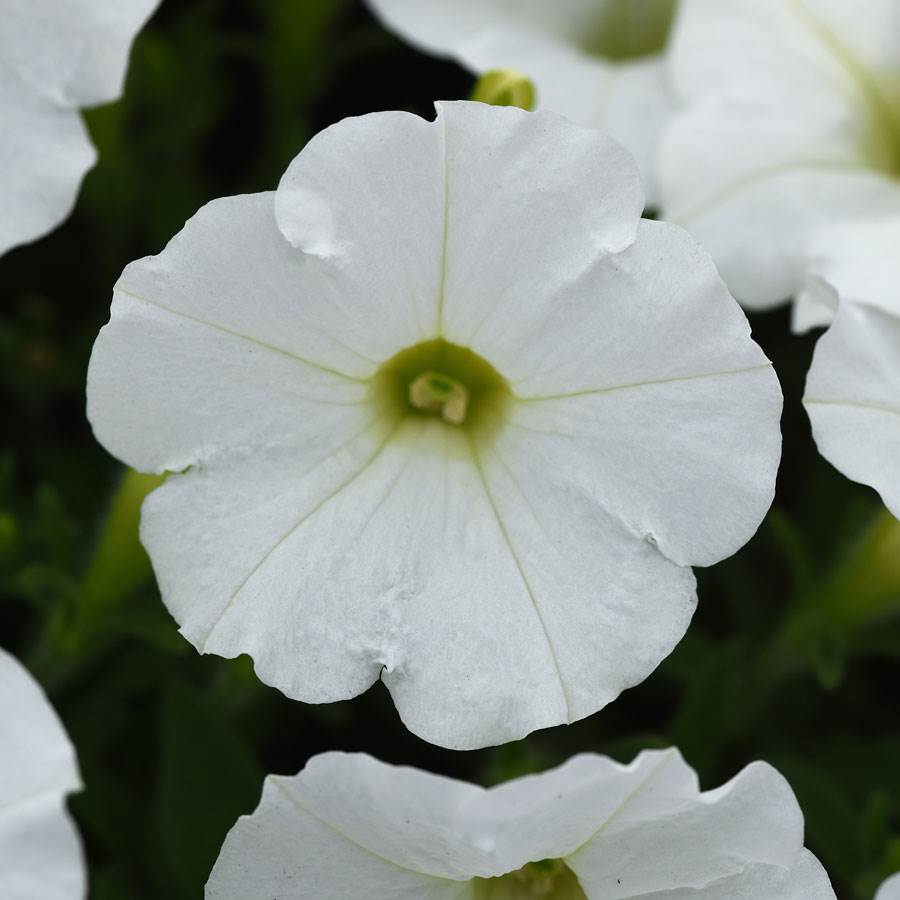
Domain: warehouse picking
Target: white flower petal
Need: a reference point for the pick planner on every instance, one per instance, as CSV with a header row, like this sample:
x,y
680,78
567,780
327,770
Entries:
x,y
561,198
40,854
890,890
442,558
44,152
439,26
814,306
390,260
853,261
765,49
74,51
55,57
696,843
438,256
759,230
854,381
786,129
223,344
665,386
628,99
348,826
560,812
859,260
297,847
852,395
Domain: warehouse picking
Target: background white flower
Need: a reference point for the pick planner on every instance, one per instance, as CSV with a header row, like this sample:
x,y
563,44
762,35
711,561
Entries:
x,y
853,387
56,57
792,121
598,62
513,560
40,854
349,826
890,890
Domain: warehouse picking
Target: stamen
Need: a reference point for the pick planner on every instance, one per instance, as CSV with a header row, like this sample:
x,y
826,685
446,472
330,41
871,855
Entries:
x,y
433,392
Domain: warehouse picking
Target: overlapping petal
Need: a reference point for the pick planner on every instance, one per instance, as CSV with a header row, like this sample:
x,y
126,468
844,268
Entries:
x,y
352,827
56,57
40,854
496,583
792,122
629,98
854,382
890,890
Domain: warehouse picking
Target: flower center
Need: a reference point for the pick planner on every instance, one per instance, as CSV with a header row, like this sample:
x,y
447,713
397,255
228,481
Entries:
x,y
440,379
549,879
432,392
629,29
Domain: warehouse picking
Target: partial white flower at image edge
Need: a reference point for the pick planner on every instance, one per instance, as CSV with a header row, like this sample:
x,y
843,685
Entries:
x,y
853,387
790,122
349,826
40,852
890,890
447,413
55,59
600,63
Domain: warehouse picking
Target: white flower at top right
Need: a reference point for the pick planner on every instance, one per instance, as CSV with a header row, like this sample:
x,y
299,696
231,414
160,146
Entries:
x,y
791,121
853,387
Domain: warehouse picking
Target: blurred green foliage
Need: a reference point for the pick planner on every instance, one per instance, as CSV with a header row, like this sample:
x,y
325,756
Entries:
x,y
794,655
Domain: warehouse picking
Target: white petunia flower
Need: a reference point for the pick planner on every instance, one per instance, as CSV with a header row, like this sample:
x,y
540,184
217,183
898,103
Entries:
x,y
40,854
453,416
890,890
598,62
792,121
853,387
349,826
56,57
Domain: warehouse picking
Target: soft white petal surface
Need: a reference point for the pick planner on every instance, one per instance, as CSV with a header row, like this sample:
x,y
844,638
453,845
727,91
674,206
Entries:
x,y
854,261
890,890
852,393
860,261
488,205
628,99
40,854
352,827
698,846
783,131
647,364
853,387
781,48
759,230
496,586
44,152
56,56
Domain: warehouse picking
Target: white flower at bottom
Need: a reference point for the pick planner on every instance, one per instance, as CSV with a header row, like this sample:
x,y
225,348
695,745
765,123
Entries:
x,y
452,416
853,387
353,828
598,62
890,890
56,57
40,854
